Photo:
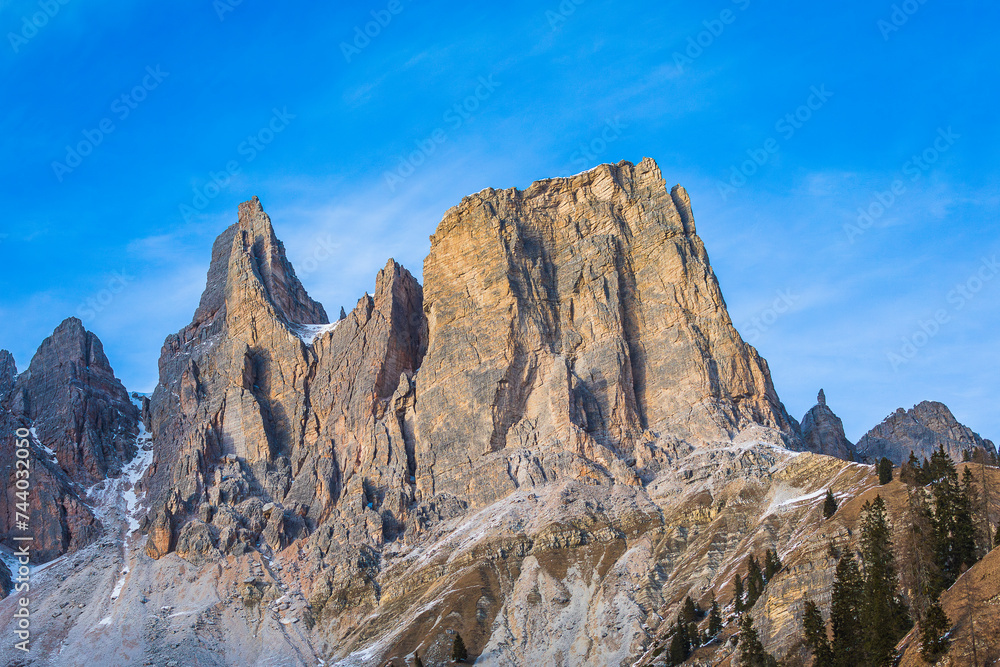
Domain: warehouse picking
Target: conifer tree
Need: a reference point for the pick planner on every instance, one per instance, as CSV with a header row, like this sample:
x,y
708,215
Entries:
x,y
755,581
752,653
690,611
738,593
884,471
772,564
680,643
816,637
884,616
996,538
954,527
458,650
714,619
940,465
845,613
830,505
908,471
933,633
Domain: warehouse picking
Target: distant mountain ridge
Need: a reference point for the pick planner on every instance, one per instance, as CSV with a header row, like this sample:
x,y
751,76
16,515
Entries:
x,y
544,448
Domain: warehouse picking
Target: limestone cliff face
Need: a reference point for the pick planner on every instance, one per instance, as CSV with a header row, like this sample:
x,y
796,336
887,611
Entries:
x,y
921,430
823,432
261,401
77,405
83,430
570,323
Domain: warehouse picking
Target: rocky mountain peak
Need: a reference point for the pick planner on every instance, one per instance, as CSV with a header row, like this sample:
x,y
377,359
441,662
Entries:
x,y
823,431
568,324
254,238
77,405
921,429
83,430
245,255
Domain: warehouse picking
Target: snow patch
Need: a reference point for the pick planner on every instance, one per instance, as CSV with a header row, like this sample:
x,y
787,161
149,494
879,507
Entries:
x,y
308,333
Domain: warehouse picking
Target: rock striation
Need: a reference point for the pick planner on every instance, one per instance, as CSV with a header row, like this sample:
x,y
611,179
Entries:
x,y
823,432
571,325
269,421
76,404
83,429
922,429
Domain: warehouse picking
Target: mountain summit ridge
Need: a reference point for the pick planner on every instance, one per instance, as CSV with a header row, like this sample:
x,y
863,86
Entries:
x,y
544,449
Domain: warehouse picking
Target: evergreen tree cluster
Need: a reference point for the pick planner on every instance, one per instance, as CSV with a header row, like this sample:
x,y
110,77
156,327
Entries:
x,y
867,611
756,580
684,634
952,518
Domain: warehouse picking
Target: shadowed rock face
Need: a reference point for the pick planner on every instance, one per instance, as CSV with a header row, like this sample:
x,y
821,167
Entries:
x,y
576,320
81,413
921,430
823,432
8,371
77,405
261,400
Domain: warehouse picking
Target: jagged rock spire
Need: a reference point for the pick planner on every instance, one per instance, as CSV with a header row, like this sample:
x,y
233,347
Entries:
x,y
823,431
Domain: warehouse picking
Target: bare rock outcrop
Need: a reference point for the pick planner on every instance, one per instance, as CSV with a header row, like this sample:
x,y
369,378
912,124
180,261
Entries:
x,y
76,404
570,324
261,398
8,371
823,432
80,428
922,429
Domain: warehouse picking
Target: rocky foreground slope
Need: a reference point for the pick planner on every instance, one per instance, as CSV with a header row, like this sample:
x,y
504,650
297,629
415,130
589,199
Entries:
x,y
544,448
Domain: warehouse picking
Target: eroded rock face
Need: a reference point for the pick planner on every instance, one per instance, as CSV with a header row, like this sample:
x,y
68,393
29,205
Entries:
x,y
80,428
569,324
261,399
921,430
823,432
76,404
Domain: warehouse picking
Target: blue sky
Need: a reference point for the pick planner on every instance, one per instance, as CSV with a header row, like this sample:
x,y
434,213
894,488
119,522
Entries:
x,y
882,312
